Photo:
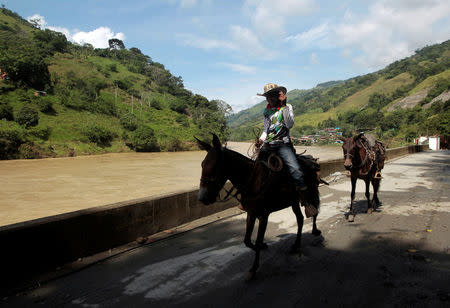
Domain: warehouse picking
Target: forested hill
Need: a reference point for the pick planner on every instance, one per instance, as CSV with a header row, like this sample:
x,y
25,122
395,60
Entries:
x,y
62,99
408,98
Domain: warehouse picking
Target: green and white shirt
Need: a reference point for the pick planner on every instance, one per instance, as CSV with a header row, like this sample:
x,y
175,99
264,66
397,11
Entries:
x,y
277,123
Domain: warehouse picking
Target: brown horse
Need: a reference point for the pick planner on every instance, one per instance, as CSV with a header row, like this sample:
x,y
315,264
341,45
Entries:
x,y
262,190
364,159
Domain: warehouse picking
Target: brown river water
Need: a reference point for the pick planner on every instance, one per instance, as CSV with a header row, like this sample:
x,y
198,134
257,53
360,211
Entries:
x,y
31,189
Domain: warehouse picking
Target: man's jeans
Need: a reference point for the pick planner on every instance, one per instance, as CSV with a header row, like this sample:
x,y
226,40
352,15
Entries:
x,y
286,152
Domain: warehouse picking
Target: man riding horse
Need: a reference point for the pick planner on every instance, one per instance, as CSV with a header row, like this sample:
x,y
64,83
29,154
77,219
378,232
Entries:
x,y
278,120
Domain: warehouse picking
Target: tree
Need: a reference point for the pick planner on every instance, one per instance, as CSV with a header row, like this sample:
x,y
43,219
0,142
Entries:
x,y
27,116
116,44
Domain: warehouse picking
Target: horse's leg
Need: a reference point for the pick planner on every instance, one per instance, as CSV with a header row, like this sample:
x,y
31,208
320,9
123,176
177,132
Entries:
x,y
315,231
352,195
249,230
298,241
351,215
369,202
376,187
259,244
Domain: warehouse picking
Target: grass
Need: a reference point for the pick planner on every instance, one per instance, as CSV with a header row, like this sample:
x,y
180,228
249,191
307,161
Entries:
x,y
357,100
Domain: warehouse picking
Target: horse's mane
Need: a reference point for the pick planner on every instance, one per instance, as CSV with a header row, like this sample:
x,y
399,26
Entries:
x,y
238,156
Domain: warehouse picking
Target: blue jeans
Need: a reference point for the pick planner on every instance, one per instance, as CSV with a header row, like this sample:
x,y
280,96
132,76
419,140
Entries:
x,y
286,152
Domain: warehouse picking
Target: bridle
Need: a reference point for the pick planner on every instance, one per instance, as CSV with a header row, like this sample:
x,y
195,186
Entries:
x,y
215,182
364,162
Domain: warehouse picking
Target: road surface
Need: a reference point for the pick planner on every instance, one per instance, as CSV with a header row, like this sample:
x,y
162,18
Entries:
x,y
398,256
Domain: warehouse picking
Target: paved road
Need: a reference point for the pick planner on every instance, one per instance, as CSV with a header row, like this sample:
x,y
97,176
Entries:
x,y
399,256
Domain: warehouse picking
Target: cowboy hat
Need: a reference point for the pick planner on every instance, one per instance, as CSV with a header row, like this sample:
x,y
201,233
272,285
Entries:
x,y
272,88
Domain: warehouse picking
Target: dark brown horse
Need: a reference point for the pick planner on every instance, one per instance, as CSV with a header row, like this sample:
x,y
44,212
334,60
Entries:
x,y
364,159
262,191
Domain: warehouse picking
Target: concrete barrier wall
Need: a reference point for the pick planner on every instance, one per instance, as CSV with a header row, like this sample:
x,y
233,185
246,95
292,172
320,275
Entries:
x,y
34,247
40,245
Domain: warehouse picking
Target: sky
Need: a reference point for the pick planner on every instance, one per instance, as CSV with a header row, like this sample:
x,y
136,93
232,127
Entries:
x,y
229,50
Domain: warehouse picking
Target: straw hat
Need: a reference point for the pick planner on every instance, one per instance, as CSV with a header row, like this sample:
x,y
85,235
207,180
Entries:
x,y
271,88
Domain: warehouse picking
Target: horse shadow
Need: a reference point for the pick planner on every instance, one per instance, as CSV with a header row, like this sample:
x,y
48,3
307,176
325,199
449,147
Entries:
x,y
361,207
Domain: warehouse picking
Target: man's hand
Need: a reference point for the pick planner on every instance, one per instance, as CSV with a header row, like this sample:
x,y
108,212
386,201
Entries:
x,y
258,143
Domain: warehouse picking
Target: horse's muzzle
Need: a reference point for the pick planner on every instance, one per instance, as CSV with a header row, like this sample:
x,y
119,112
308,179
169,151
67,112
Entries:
x,y
204,197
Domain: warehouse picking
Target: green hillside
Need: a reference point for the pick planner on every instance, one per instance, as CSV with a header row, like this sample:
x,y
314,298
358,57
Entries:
x,y
382,102
62,99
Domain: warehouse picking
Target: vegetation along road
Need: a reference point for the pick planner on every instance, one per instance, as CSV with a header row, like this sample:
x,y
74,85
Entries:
x,y
398,256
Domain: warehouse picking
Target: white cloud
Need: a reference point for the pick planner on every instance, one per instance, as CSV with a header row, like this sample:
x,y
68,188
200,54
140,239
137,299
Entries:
x,y
204,43
240,68
187,3
314,59
38,19
248,42
97,38
241,40
268,16
391,30
317,37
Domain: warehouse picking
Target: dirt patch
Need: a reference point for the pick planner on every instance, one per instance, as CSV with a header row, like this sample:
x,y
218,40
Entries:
x,y
410,101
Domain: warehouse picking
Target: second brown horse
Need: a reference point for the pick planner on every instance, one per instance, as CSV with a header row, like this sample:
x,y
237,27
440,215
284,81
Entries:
x,y
364,158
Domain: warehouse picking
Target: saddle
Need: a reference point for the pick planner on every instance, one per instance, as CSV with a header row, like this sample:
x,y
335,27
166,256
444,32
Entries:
x,y
278,173
376,153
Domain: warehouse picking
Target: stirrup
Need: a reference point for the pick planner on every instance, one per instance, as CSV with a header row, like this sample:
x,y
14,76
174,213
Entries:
x,y
378,175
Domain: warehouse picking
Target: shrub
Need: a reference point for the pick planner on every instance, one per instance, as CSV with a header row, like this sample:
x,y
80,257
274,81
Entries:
x,y
40,132
174,145
103,105
123,84
45,104
27,116
6,112
11,137
143,140
113,67
99,134
156,103
28,151
129,121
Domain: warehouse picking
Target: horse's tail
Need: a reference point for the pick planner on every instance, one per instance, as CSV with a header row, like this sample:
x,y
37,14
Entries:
x,y
311,169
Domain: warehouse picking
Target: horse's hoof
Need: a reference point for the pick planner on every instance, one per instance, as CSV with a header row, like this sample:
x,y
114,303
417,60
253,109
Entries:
x,y
264,246
370,210
351,218
316,232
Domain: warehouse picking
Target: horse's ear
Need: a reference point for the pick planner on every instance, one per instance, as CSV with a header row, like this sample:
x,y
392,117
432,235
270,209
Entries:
x,y
216,142
203,145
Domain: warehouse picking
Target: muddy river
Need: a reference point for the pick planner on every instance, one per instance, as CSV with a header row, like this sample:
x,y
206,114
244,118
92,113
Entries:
x,y
31,189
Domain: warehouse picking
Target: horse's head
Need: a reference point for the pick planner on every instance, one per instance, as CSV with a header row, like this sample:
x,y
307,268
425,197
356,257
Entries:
x,y
213,171
353,151
349,148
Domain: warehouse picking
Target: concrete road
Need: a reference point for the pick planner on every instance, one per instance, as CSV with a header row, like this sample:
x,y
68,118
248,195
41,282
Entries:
x,y
398,256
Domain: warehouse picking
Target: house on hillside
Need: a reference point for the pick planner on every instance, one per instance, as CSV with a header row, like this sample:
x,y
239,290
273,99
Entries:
x,y
3,75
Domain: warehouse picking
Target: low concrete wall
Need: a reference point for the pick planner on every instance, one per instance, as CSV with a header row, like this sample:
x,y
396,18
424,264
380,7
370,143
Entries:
x,y
33,247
